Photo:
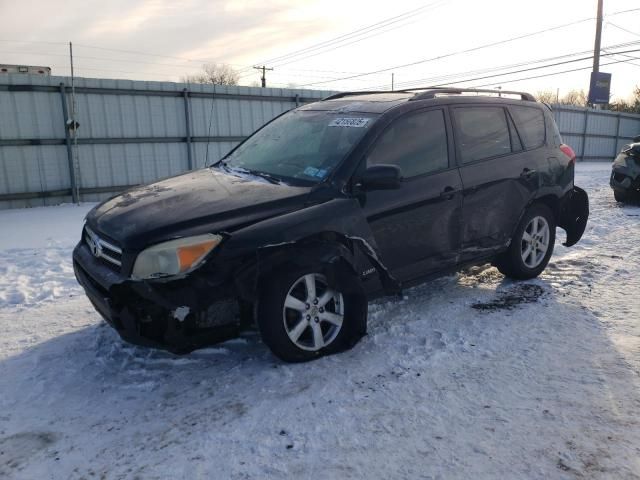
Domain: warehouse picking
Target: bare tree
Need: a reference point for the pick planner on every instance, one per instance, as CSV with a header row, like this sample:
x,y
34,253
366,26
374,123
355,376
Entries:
x,y
574,97
631,105
217,74
547,96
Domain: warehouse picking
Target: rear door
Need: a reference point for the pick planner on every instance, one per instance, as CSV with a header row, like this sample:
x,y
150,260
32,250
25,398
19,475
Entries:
x,y
417,227
499,177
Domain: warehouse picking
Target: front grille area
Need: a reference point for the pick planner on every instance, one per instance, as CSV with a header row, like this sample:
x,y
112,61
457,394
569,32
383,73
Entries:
x,y
102,249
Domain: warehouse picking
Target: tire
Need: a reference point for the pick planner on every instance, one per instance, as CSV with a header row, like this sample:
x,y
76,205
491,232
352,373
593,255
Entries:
x,y
627,196
621,196
299,328
523,259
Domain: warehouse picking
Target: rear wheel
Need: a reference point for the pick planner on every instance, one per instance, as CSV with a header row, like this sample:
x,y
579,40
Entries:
x,y
531,246
301,316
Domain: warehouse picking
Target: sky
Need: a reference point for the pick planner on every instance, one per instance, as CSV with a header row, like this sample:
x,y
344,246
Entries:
x,y
444,40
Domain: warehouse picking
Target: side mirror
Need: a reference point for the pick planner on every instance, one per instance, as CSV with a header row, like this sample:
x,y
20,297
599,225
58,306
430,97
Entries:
x,y
381,177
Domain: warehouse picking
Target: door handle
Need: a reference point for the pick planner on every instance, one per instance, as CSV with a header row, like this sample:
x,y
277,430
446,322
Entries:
x,y
526,173
448,193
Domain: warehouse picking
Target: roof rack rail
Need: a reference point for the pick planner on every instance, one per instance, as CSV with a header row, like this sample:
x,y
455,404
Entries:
x,y
362,92
431,92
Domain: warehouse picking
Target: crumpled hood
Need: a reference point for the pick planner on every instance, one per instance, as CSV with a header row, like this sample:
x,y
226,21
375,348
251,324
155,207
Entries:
x,y
200,201
628,160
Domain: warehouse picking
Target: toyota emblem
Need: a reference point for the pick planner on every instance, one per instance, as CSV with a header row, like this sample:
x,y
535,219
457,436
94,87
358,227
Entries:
x,y
95,247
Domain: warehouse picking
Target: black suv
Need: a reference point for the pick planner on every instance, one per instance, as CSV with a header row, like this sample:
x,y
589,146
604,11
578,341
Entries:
x,y
328,205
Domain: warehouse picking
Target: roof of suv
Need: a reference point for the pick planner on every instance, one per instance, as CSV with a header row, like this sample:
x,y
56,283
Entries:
x,y
379,102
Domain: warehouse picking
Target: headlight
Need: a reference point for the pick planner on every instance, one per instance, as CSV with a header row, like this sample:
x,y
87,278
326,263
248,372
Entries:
x,y
174,257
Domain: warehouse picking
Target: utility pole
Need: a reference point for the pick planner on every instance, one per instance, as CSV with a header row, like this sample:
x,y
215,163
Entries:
x,y
596,47
264,74
74,128
392,77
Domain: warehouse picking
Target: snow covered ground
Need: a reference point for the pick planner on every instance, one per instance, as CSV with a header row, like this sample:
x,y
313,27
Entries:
x,y
470,376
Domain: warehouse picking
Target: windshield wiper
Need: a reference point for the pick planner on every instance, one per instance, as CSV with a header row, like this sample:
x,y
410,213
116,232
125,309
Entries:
x,y
266,176
257,173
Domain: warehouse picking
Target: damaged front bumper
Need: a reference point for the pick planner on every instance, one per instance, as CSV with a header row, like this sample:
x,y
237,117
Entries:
x,y
625,179
178,315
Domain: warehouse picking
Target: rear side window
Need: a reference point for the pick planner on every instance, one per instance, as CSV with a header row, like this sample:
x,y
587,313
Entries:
x,y
417,143
530,125
481,132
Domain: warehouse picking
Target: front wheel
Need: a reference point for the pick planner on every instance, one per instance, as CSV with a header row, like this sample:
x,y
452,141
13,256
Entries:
x,y
621,196
301,316
627,196
531,246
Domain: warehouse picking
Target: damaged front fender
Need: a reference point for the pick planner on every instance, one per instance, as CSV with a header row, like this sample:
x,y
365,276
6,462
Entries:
x,y
326,232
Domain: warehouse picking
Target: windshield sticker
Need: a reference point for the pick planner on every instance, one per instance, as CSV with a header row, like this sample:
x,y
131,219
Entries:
x,y
349,122
311,171
321,173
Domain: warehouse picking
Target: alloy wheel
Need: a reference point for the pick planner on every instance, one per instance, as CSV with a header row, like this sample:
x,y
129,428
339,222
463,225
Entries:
x,y
535,242
313,312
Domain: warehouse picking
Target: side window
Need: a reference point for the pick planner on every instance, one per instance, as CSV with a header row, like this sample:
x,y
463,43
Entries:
x,y
530,125
481,132
417,143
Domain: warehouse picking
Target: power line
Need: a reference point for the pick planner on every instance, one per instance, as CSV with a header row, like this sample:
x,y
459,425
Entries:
x,y
200,60
134,52
136,62
628,57
623,29
473,49
539,68
33,41
548,74
620,12
129,52
459,52
350,35
102,59
355,40
480,71
169,65
462,74
108,70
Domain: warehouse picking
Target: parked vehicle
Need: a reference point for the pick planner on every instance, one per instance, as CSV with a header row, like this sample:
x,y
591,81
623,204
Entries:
x,y
625,173
327,206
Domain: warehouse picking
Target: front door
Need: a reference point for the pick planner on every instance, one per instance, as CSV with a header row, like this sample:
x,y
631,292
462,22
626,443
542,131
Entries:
x,y
417,227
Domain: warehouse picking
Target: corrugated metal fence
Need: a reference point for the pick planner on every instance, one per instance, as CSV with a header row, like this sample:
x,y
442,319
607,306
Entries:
x,y
135,132
596,134
130,132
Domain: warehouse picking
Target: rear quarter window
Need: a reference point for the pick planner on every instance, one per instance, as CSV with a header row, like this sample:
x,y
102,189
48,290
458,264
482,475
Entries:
x,y
530,125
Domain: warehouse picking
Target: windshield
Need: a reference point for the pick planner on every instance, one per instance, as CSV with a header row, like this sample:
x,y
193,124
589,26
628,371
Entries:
x,y
303,146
